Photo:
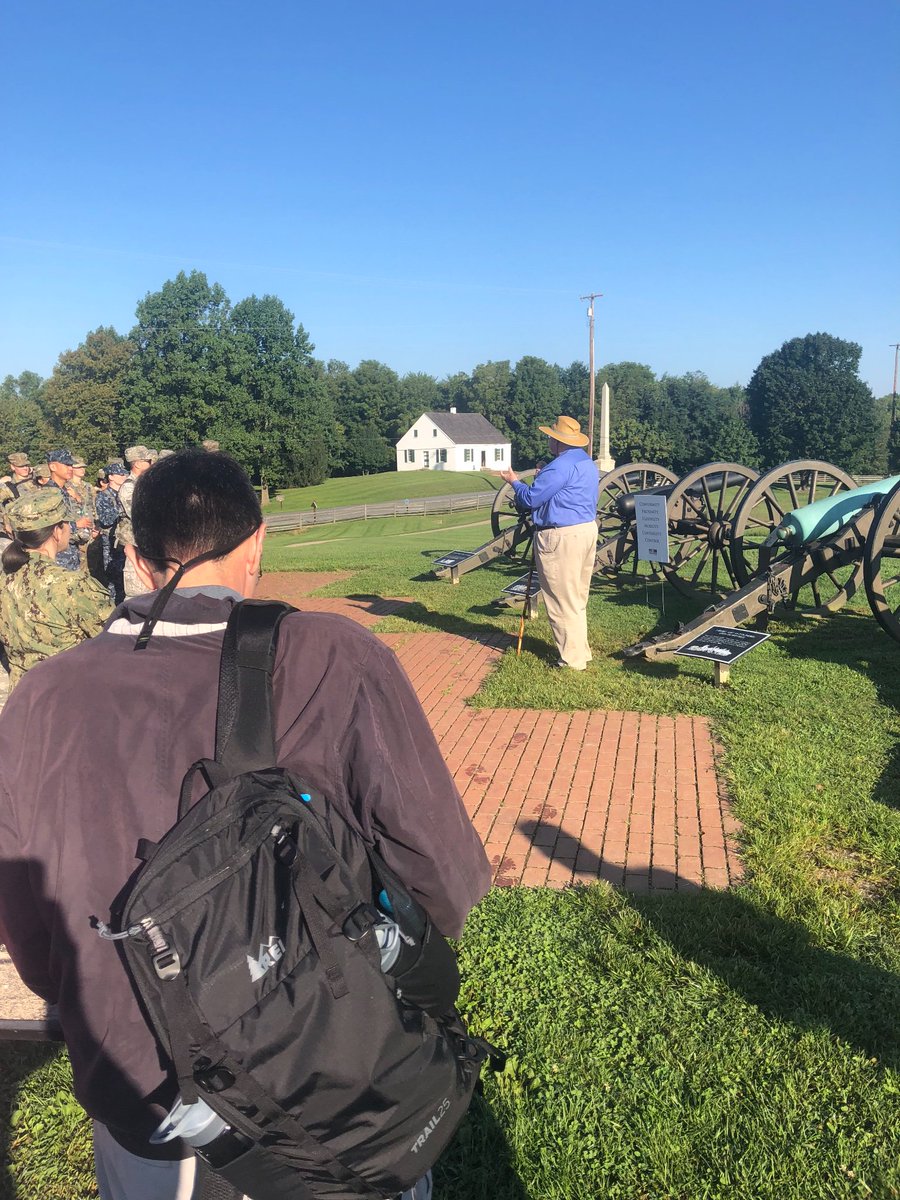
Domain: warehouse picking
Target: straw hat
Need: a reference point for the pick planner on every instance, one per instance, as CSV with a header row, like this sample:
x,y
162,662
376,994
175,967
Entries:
x,y
566,430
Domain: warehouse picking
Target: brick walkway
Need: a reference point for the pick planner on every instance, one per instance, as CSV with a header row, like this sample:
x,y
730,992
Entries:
x,y
556,797
574,796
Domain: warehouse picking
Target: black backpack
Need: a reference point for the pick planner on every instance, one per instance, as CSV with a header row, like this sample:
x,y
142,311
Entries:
x,y
249,934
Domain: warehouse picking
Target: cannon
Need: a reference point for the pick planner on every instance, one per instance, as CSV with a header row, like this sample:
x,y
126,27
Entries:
x,y
700,509
718,516
812,558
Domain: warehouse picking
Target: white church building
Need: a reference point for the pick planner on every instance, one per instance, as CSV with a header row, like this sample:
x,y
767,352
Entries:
x,y
452,441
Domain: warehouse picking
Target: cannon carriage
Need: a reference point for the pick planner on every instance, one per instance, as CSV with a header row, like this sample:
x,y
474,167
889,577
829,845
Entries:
x,y
811,557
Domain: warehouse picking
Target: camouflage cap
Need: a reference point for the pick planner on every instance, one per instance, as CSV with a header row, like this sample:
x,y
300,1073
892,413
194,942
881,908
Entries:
x,y
42,471
210,444
78,461
37,510
165,454
116,468
61,456
18,459
138,454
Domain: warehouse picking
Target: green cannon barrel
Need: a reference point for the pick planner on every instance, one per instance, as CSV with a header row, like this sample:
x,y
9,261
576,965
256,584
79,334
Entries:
x,y
824,517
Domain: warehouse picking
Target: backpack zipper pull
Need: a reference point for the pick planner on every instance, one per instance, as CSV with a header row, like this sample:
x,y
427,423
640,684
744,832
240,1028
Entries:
x,y
166,962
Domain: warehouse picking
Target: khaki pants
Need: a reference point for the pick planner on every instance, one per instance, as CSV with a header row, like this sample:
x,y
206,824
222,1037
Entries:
x,y
564,561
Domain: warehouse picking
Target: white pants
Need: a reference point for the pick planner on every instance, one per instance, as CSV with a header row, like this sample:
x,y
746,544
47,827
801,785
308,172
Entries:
x,y
125,1176
564,561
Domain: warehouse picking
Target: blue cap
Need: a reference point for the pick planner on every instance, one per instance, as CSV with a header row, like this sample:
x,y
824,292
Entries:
x,y
61,456
116,468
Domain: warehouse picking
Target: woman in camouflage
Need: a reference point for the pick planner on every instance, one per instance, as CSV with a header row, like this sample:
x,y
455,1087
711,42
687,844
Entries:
x,y
43,608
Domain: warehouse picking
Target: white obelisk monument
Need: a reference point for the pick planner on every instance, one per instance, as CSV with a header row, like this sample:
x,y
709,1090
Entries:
x,y
604,461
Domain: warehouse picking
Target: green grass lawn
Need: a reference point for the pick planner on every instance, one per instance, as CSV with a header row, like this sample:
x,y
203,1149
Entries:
x,y
716,1046
387,485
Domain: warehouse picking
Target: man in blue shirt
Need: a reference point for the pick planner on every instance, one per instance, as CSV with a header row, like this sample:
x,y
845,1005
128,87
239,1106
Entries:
x,y
563,505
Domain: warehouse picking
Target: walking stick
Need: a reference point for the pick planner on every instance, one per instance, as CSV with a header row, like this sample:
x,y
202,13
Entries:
x,y
527,605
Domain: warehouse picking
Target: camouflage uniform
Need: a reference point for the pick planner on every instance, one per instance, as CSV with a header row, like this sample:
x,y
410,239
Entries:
x,y
45,609
134,586
82,498
69,559
11,489
12,486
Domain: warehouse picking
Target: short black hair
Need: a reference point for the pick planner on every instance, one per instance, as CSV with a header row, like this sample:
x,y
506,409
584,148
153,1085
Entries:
x,y
193,503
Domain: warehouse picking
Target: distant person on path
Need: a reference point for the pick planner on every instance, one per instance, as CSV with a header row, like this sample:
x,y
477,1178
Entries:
x,y
563,505
315,509
43,607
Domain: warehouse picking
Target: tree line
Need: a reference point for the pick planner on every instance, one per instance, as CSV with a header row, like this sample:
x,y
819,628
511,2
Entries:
x,y
196,366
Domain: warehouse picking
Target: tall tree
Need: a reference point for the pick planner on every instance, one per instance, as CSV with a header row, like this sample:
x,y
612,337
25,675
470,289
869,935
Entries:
x,y
22,422
634,441
702,421
419,393
183,372
806,400
489,392
537,396
576,382
369,408
83,396
634,391
281,420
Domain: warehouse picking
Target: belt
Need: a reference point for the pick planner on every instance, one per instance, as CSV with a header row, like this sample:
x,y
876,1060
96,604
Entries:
x,y
541,528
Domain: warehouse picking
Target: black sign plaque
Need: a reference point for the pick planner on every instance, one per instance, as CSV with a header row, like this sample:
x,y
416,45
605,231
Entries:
x,y
452,557
722,644
519,587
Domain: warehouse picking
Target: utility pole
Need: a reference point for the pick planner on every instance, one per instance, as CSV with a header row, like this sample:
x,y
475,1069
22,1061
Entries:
x,y
591,298
895,346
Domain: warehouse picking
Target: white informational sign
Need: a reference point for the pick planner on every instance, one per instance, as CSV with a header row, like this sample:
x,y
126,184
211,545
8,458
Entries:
x,y
652,528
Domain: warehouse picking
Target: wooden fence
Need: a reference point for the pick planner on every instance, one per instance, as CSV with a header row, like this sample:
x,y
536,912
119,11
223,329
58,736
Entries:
x,y
428,505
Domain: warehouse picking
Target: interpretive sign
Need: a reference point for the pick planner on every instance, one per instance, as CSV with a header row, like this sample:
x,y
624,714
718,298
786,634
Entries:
x,y
722,644
519,587
452,557
652,528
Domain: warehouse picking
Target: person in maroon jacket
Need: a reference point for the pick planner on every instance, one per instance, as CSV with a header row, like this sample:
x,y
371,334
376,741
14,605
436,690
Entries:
x,y
72,811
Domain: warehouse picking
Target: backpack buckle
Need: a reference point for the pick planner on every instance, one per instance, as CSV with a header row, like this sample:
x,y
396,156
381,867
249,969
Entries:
x,y
361,921
167,964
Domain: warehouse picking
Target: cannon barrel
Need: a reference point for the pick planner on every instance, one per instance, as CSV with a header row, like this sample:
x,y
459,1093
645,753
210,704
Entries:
x,y
825,517
625,502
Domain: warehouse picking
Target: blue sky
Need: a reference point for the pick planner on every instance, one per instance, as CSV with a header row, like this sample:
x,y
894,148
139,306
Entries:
x,y
436,185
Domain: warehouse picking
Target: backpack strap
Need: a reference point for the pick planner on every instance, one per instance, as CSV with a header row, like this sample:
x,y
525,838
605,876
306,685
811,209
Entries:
x,y
245,727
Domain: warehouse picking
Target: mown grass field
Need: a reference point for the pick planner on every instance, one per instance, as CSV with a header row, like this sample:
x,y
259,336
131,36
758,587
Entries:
x,y
387,485
716,1046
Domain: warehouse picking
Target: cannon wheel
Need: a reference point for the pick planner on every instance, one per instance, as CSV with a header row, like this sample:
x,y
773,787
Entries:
x,y
790,486
617,546
504,514
881,564
700,512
